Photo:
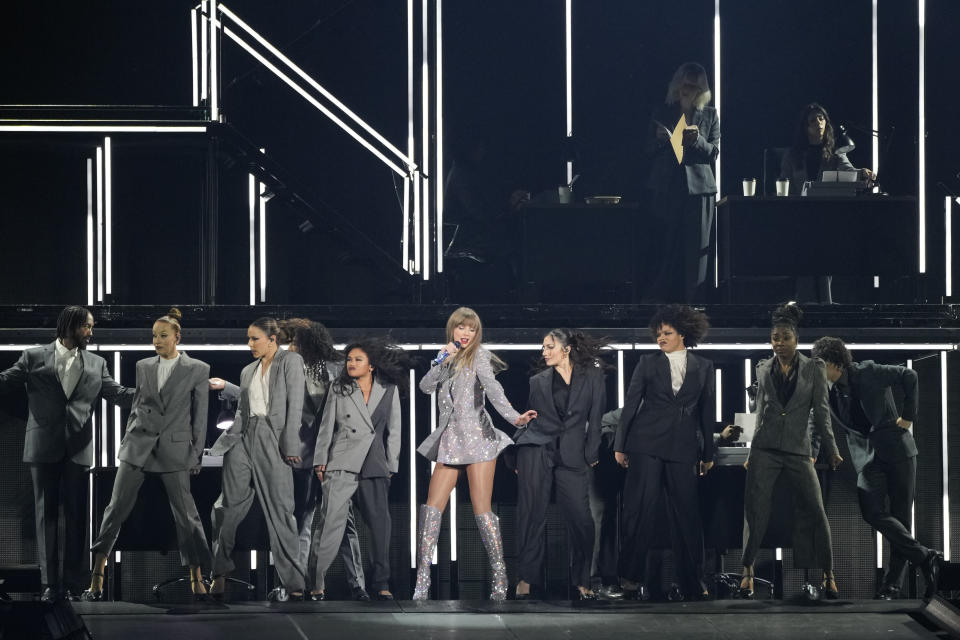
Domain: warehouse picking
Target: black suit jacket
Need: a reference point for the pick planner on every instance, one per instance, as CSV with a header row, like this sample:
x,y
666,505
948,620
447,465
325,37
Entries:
x,y
577,434
673,427
871,385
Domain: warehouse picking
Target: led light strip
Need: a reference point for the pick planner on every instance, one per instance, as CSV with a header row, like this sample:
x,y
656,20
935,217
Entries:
x,y
718,392
875,87
117,425
413,469
716,86
98,128
922,136
91,291
263,242
568,45
252,224
316,85
193,57
99,223
316,103
425,135
948,244
439,171
108,212
945,453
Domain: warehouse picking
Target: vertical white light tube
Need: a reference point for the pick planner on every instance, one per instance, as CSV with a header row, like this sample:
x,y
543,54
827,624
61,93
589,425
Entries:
x,y
948,244
568,45
214,79
405,242
921,137
204,34
716,83
417,245
438,99
105,426
99,223
410,143
108,211
945,453
425,134
620,375
253,560
879,536
913,507
875,89
90,289
263,242
747,381
252,201
412,433
193,57
117,428
719,393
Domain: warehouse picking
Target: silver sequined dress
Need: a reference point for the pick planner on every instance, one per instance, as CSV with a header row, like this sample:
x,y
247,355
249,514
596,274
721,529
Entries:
x,y
465,434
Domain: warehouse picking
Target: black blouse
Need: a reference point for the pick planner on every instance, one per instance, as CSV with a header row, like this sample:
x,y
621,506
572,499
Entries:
x,y
561,394
785,385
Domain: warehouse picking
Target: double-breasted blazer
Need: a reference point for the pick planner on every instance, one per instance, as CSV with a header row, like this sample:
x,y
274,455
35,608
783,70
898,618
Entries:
x,y
285,408
577,433
785,428
346,431
58,426
167,427
314,399
655,421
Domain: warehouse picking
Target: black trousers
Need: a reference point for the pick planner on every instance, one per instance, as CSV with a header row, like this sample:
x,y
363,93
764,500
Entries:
x,y
886,491
55,484
685,246
650,478
606,484
538,471
373,501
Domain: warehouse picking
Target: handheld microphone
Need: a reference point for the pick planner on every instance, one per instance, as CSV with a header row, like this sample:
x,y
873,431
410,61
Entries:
x,y
443,356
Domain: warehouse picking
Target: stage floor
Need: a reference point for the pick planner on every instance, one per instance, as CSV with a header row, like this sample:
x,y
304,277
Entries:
x,y
733,619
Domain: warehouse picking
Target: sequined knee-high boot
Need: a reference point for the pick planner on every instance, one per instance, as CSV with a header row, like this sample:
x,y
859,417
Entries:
x,y
489,525
429,530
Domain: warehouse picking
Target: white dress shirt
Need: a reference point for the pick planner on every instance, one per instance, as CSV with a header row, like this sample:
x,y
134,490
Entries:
x,y
678,368
68,367
164,369
259,393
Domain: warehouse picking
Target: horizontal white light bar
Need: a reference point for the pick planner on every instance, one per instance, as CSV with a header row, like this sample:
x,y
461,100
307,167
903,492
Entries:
x,y
97,128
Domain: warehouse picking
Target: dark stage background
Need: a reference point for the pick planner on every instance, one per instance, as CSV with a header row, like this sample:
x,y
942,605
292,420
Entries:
x,y
503,84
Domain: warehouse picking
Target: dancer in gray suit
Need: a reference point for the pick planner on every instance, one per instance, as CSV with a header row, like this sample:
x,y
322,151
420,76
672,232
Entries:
x,y
63,382
790,387
165,435
462,375
322,364
258,451
358,450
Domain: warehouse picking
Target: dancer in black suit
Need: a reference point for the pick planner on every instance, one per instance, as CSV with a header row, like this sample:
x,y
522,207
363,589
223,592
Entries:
x,y
883,452
558,449
665,441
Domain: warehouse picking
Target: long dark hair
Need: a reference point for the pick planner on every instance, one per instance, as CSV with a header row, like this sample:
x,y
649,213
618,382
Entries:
x,y
689,323
585,350
390,364
312,339
71,319
800,142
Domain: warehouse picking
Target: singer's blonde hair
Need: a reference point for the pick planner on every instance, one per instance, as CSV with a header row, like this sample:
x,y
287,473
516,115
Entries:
x,y
690,73
465,357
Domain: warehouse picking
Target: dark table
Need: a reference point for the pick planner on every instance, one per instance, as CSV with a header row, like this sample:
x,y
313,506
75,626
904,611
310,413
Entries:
x,y
805,236
578,249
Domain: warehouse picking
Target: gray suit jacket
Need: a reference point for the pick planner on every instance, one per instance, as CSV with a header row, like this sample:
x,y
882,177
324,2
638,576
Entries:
x,y
785,428
347,430
313,403
698,158
58,426
167,429
284,411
